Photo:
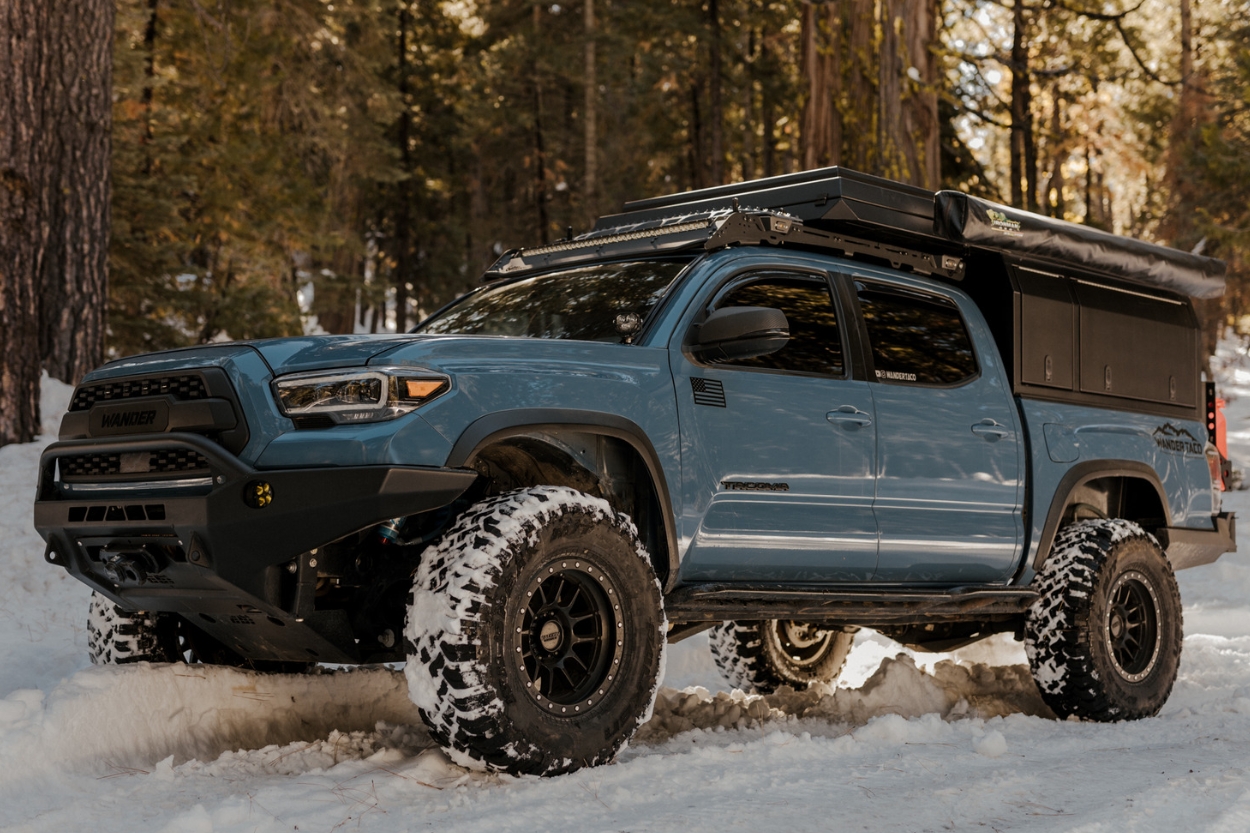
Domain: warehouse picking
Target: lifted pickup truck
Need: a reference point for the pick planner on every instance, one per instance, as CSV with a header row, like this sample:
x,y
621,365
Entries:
x,y
781,410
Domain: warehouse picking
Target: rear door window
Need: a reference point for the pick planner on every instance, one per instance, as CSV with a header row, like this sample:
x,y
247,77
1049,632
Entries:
x,y
916,338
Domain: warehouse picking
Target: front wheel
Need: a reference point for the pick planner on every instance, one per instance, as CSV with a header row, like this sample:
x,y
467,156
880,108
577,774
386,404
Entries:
x,y
759,657
535,634
1104,636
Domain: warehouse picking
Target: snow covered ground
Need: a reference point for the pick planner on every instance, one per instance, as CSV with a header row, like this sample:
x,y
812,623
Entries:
x,y
909,743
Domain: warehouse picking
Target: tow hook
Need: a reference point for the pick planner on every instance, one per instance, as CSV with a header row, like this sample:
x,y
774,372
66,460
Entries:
x,y
127,567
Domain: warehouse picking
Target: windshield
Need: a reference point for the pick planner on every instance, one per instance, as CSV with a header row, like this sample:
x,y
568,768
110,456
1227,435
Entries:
x,y
582,303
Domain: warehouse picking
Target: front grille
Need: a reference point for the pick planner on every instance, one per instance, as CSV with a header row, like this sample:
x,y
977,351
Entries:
x,y
185,387
178,459
87,465
163,461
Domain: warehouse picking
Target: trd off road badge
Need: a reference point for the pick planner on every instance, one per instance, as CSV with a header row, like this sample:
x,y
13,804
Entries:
x,y
1177,440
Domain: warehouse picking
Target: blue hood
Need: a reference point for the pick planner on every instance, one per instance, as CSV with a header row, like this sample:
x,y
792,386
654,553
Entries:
x,y
294,355
282,355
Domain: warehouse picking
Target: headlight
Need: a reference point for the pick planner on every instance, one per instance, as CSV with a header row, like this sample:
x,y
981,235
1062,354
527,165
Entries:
x,y
347,396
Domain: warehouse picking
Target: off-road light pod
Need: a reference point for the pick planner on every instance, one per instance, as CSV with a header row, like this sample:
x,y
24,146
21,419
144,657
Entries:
x,y
353,396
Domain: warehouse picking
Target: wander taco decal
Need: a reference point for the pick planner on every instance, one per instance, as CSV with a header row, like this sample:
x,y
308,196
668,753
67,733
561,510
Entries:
x,y
1177,440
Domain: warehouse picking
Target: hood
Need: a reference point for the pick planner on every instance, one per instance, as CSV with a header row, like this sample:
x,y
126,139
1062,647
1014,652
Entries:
x,y
303,353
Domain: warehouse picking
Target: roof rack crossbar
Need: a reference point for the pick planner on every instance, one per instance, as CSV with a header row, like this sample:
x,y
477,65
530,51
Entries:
x,y
757,227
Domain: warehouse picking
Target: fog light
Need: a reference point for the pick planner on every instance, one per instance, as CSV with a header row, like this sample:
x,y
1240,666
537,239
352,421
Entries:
x,y
258,494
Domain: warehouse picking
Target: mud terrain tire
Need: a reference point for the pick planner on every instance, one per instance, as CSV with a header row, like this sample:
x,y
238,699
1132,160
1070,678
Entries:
x,y
759,657
1104,637
535,633
116,635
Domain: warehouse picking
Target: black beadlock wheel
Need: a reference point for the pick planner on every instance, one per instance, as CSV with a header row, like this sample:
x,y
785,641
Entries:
x,y
760,657
566,630
1104,636
535,633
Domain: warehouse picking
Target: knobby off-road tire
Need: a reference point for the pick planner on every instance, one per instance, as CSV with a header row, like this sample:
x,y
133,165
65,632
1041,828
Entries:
x,y
116,635
759,657
535,634
1104,637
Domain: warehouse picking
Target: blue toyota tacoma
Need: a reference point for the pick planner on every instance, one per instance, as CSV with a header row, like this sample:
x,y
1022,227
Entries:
x,y
781,410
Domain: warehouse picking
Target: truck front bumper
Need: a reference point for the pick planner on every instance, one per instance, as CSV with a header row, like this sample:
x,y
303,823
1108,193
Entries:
x,y
229,547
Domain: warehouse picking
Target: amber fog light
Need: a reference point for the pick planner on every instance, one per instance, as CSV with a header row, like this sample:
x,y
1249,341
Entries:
x,y
258,494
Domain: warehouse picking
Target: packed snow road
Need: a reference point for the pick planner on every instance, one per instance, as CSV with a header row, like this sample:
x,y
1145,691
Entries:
x,y
957,742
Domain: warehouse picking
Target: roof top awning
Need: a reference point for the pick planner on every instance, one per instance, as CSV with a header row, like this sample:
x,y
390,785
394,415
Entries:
x,y
977,222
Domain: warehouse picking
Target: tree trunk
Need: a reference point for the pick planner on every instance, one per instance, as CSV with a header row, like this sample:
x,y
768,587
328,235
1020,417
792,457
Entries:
x,y
75,121
822,67
1192,112
589,183
919,131
403,211
696,139
540,153
768,114
890,144
860,114
149,84
1020,104
1055,206
750,156
716,116
55,121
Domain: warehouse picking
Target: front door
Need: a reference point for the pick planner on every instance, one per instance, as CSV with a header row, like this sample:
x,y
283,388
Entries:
x,y
778,451
949,468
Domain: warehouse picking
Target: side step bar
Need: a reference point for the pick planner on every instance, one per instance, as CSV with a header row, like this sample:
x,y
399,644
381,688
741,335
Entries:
x,y
840,605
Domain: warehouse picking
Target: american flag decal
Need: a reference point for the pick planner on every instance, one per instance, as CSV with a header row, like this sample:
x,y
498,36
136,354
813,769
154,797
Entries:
x,y
708,392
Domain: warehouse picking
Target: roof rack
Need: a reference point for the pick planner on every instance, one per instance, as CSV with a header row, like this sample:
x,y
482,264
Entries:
x,y
867,216
712,230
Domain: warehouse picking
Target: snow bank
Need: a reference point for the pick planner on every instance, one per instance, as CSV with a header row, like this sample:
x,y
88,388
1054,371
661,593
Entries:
x,y
43,611
898,687
134,716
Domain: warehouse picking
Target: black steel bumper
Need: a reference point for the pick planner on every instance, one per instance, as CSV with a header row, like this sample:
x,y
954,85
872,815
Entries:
x,y
1194,547
206,547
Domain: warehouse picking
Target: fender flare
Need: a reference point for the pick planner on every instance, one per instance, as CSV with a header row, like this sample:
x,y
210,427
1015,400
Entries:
x,y
503,424
1078,476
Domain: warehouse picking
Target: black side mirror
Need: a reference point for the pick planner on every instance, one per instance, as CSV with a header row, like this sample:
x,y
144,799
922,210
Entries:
x,y
736,333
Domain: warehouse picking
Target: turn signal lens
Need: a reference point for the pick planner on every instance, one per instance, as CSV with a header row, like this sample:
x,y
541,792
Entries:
x,y
421,388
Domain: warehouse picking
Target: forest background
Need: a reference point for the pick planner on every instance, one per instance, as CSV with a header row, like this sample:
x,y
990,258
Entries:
x,y
351,165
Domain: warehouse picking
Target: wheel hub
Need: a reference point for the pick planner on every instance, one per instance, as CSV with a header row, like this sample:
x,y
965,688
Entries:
x,y
568,636
804,643
550,635
1131,627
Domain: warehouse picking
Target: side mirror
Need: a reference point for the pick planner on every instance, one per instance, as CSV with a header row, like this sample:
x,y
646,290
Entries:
x,y
736,333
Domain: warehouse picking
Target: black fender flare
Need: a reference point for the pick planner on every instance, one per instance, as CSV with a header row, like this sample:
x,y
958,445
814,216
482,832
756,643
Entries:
x,y
1079,475
503,424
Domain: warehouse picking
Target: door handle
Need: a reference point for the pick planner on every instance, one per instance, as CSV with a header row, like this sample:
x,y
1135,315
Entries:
x,y
850,416
989,429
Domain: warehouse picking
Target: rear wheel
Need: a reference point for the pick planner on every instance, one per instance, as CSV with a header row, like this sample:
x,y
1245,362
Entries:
x,y
535,635
762,656
1104,637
